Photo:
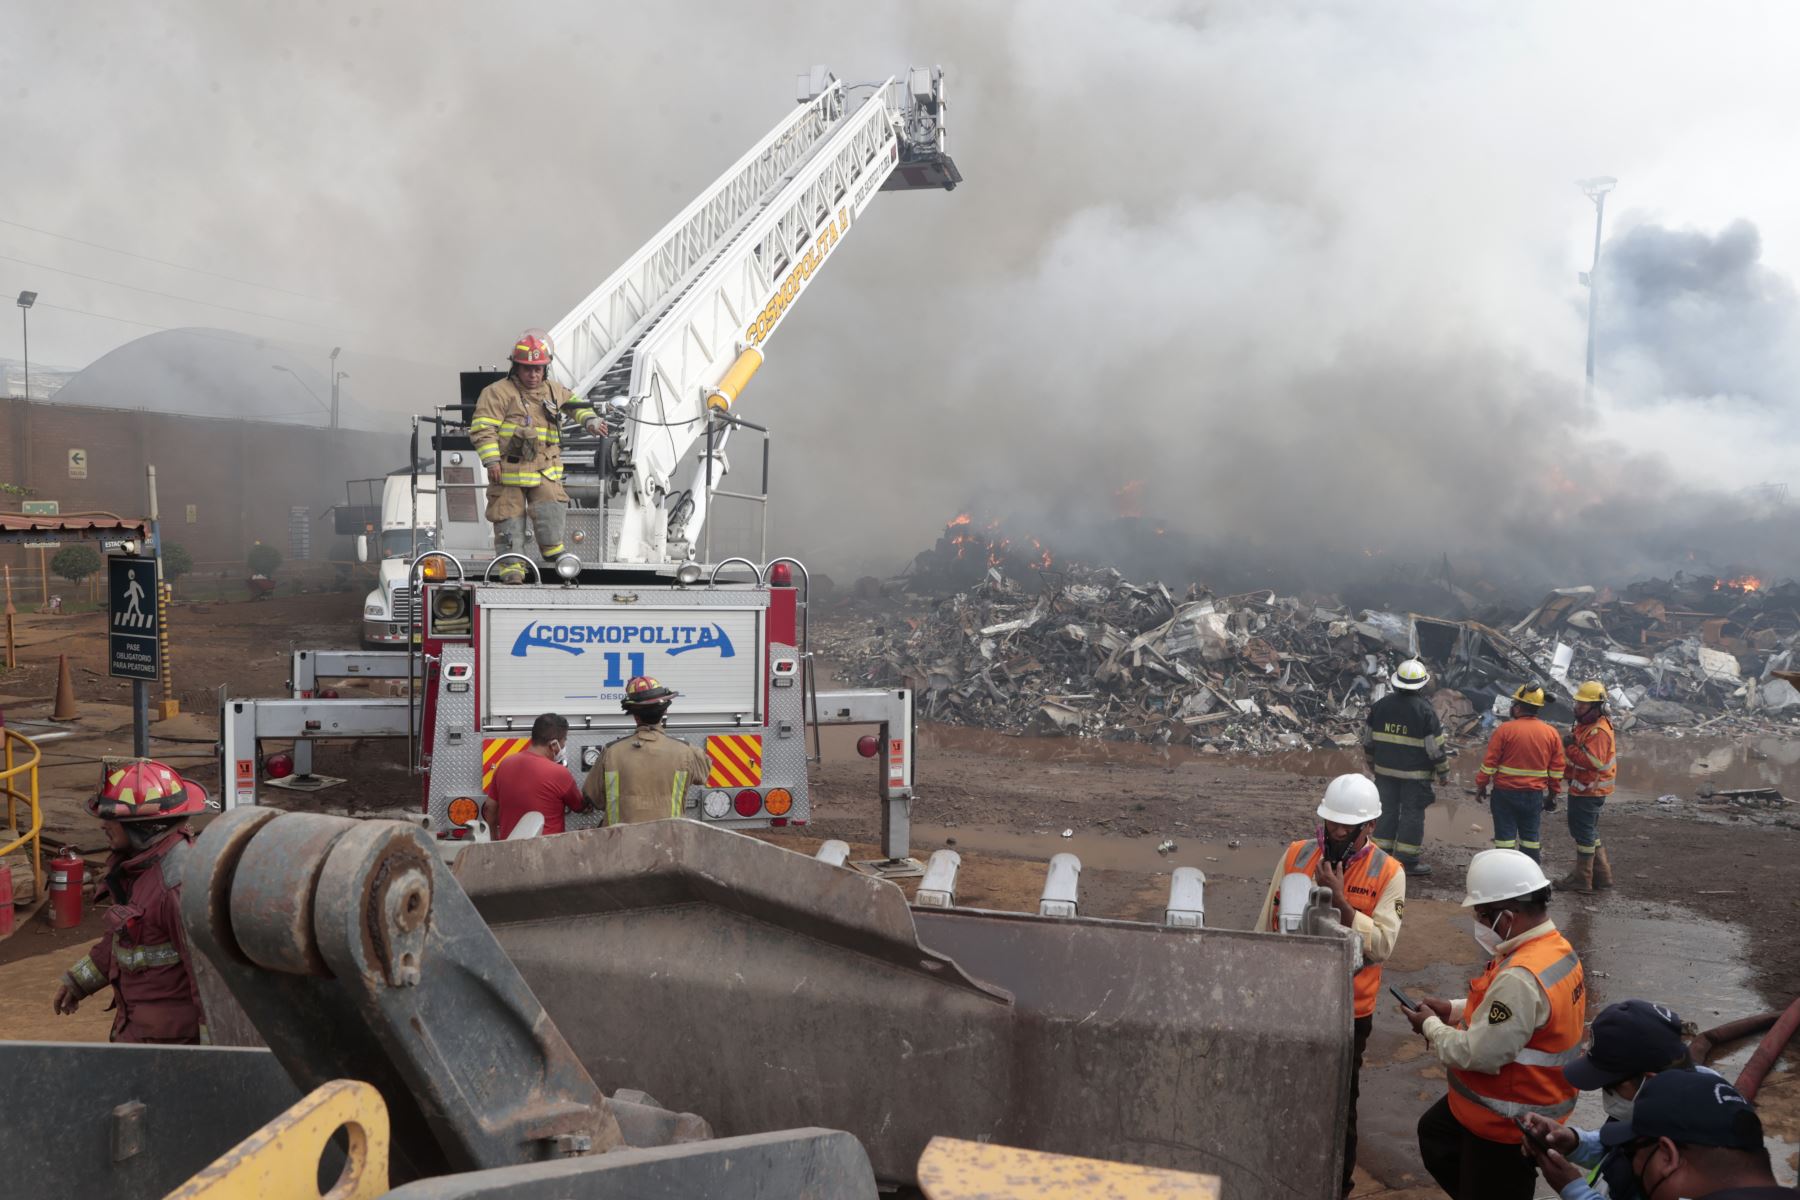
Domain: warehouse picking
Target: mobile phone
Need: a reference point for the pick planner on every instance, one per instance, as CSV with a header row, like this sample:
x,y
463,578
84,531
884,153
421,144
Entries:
x,y
1408,1005
1535,1141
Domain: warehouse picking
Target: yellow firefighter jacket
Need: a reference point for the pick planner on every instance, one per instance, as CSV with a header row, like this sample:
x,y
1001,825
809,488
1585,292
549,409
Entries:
x,y
645,776
522,431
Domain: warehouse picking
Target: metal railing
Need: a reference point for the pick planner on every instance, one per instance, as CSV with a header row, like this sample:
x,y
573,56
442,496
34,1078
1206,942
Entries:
x,y
9,778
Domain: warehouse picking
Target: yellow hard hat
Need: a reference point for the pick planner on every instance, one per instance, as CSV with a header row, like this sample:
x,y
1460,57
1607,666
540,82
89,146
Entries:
x,y
1529,693
1591,692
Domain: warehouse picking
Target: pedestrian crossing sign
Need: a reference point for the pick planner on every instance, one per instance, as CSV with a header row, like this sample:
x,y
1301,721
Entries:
x,y
134,617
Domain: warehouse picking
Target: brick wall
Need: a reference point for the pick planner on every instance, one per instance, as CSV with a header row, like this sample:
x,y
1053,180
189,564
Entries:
x,y
241,477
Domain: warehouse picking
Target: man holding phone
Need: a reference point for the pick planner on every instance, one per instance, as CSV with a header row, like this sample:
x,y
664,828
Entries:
x,y
1368,886
1504,1046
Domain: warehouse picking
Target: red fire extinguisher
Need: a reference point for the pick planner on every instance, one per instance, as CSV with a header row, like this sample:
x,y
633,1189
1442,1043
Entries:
x,y
68,871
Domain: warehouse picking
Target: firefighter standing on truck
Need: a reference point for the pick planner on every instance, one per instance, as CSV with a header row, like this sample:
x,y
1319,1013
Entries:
x,y
1504,1046
1523,768
645,775
1369,889
144,807
1593,763
1404,742
517,432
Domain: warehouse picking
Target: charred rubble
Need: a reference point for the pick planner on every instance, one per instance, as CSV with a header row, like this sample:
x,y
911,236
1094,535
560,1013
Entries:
x,y
1087,652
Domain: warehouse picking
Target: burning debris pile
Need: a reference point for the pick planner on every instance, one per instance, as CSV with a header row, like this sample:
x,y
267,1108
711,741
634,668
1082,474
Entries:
x,y
1674,651
1085,652
1093,654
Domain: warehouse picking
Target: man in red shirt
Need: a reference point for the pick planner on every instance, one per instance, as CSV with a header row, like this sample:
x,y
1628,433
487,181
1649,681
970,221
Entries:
x,y
534,780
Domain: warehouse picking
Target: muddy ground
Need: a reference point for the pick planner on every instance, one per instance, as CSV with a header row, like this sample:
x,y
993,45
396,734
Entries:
x,y
1703,917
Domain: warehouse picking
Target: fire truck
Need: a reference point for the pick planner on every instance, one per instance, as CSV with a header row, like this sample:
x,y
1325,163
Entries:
x,y
665,347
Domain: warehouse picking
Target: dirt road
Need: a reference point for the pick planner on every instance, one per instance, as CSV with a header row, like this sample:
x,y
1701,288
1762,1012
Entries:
x,y
1702,919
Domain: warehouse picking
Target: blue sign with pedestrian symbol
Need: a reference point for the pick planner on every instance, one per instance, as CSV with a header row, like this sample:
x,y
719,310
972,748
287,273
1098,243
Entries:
x,y
131,596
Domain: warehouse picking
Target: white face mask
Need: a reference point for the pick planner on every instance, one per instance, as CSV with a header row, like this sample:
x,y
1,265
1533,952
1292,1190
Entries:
x,y
1487,938
1615,1106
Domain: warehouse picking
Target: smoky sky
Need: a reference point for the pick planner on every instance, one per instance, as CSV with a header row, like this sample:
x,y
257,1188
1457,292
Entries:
x,y
1697,313
1303,270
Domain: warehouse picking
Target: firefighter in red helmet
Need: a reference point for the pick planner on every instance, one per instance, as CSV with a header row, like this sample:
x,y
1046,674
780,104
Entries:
x,y
144,807
517,432
645,775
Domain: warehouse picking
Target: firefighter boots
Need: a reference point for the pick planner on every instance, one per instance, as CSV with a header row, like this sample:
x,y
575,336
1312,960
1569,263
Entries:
x,y
1580,878
1602,868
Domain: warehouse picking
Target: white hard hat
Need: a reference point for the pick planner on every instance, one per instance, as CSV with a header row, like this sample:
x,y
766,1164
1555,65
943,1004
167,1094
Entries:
x,y
1496,875
1351,800
1411,675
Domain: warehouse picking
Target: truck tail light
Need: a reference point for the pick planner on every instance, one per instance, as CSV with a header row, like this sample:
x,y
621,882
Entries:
x,y
778,802
868,745
278,766
463,810
747,803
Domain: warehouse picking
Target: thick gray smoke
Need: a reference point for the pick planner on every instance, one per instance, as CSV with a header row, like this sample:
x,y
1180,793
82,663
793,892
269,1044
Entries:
x,y
1692,314
1304,271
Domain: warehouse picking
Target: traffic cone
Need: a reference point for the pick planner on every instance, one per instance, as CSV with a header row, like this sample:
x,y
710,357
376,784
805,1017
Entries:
x,y
65,691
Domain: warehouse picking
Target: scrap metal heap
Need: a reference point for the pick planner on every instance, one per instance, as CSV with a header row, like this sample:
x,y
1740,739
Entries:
x,y
1086,652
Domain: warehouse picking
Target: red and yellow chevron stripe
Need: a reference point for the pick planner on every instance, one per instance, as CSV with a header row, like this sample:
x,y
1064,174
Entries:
x,y
495,751
736,760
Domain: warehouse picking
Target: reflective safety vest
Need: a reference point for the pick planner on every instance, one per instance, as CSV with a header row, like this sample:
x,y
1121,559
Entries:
x,y
1593,759
1366,876
1533,1082
1524,755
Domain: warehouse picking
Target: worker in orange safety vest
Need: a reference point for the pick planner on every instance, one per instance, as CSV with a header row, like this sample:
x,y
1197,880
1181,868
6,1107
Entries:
x,y
1523,768
1591,749
1368,886
1505,1045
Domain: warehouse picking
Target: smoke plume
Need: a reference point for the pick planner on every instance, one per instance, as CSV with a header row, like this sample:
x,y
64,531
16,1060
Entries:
x,y
1305,271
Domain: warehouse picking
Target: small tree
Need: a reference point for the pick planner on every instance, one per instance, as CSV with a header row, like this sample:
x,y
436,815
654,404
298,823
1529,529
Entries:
x,y
76,562
176,562
263,559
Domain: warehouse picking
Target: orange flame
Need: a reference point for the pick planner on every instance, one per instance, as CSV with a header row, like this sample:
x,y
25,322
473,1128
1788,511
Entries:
x,y
1129,499
1743,583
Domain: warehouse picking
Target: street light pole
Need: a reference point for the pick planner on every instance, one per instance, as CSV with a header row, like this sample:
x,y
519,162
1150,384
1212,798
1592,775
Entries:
x,y
335,376
1595,190
26,300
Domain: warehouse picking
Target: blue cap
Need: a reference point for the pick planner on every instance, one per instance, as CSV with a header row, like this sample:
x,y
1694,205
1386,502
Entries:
x,y
1630,1038
1690,1108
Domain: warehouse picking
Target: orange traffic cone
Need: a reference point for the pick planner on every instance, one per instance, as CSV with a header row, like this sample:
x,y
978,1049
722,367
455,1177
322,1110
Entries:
x,y
65,691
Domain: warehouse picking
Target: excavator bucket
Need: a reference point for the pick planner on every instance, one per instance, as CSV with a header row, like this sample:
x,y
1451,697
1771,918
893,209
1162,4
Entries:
x,y
766,990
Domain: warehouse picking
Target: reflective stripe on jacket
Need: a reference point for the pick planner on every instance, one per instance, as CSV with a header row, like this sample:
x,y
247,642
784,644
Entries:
x,y
1485,1104
1593,759
1366,876
1404,739
645,776
1524,755
522,431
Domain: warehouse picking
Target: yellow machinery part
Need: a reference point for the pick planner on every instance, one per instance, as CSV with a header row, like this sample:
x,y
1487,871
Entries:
x,y
956,1170
280,1161
732,385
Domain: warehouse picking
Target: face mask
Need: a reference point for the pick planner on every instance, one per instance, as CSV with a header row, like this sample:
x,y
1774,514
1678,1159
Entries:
x,y
1488,938
1337,850
1615,1106
562,755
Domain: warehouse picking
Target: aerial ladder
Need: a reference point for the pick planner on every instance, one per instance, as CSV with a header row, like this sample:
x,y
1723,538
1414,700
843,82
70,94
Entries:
x,y
670,340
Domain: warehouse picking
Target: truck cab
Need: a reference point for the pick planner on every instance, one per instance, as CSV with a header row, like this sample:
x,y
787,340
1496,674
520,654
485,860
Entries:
x,y
406,529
